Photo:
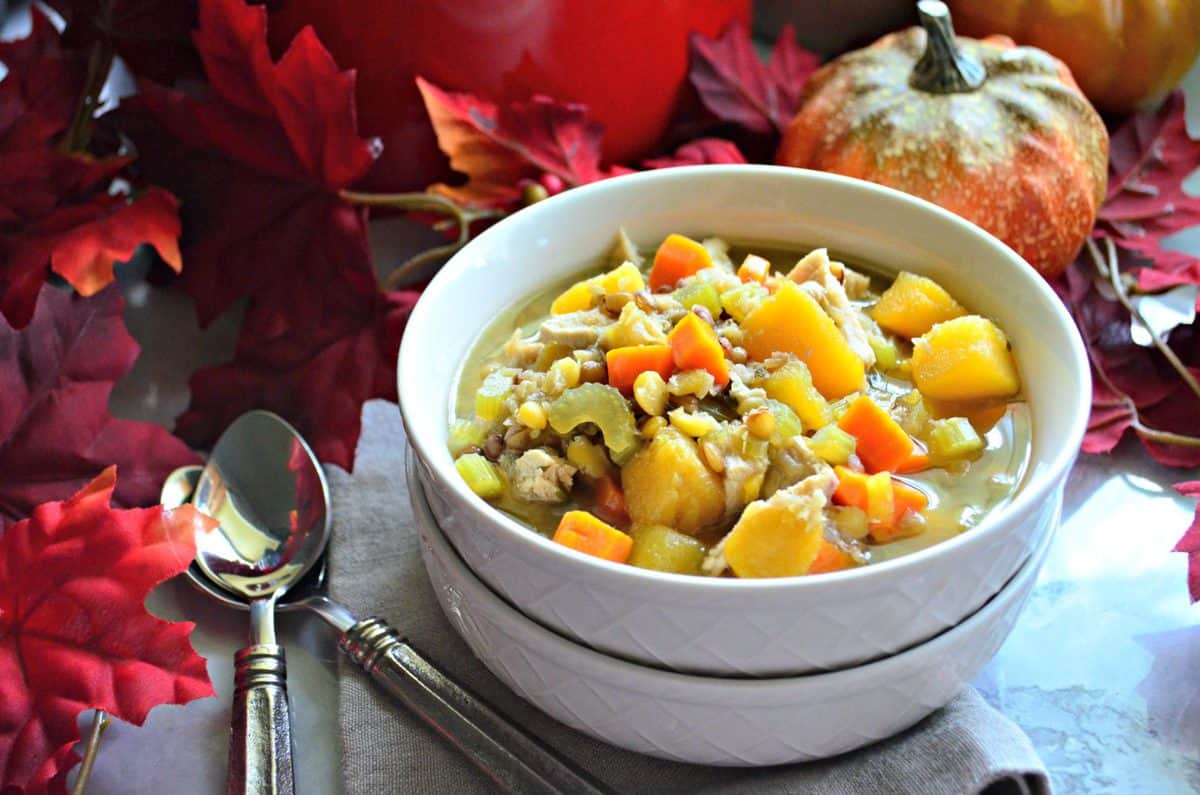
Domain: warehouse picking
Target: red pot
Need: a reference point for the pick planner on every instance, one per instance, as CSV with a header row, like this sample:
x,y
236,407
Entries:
x,y
625,59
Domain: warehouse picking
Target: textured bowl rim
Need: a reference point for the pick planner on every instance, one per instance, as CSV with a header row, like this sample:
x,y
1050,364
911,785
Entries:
x,y
643,677
1038,483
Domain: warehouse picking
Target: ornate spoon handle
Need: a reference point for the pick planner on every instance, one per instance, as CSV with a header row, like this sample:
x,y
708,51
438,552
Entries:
x,y
514,760
260,745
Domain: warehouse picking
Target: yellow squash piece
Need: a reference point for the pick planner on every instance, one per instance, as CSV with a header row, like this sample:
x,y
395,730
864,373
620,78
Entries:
x,y
778,537
667,483
663,549
624,279
914,304
791,321
964,359
793,384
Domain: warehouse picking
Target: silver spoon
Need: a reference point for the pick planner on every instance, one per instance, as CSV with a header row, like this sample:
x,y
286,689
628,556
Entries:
x,y
237,485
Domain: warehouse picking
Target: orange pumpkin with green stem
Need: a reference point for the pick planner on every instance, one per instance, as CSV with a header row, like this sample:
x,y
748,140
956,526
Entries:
x,y
998,134
1125,54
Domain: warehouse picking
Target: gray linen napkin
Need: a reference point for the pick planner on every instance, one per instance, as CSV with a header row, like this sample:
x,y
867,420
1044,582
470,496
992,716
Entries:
x,y
375,568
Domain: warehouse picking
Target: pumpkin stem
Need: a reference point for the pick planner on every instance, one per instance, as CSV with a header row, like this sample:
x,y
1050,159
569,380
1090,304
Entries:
x,y
943,69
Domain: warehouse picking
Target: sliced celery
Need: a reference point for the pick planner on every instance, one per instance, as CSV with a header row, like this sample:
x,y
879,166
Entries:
x,y
482,476
489,399
699,293
833,445
741,301
606,408
953,438
886,353
465,434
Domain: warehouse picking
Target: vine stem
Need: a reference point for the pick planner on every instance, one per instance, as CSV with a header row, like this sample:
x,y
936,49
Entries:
x,y
1109,269
462,217
100,722
79,132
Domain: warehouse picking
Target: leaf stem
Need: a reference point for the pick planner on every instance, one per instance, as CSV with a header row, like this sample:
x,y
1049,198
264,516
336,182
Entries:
x,y
1110,270
100,722
79,132
1114,277
462,217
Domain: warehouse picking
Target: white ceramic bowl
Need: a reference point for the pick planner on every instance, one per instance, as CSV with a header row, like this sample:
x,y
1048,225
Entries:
x,y
710,720
722,626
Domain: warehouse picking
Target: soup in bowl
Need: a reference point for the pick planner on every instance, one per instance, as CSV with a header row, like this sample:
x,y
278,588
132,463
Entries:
x,y
693,539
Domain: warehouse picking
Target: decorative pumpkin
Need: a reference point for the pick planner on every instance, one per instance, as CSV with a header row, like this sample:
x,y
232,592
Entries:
x,y
1125,53
998,134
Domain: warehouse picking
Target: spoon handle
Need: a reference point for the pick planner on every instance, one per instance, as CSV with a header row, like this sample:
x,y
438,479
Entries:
x,y
513,759
260,743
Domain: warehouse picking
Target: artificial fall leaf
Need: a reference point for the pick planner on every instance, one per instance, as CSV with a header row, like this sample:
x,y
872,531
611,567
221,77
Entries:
x,y
258,163
701,152
56,210
150,35
736,86
498,149
1131,384
39,93
318,378
55,429
1190,543
74,632
1150,155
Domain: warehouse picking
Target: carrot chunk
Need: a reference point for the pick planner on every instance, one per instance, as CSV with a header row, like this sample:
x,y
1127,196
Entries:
x,y
677,257
830,558
627,363
610,500
583,532
882,443
695,346
884,498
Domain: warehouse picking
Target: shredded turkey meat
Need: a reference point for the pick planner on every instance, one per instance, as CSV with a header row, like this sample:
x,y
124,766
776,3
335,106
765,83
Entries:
x,y
541,476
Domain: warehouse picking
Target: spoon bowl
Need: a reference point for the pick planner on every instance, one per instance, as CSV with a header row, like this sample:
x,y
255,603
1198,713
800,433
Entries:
x,y
264,487
177,490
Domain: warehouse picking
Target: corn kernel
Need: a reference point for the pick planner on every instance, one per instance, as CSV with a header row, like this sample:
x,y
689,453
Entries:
x,y
532,415
761,423
650,392
694,425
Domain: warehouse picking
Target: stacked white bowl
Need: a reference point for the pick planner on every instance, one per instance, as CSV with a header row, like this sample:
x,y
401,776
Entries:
x,y
727,671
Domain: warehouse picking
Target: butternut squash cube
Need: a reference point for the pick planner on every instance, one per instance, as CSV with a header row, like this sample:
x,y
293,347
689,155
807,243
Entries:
x,y
777,537
791,321
667,483
914,304
964,359
624,279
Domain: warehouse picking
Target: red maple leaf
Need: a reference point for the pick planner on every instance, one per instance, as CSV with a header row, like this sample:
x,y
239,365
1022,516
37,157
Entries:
x,y
316,377
56,210
1190,542
736,86
499,149
701,152
1131,384
74,633
55,429
258,163
1150,155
